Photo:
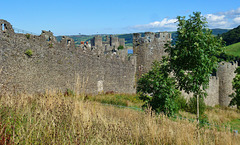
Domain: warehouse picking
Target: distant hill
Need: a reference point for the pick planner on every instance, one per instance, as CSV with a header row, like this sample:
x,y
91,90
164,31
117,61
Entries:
x,y
219,31
78,38
232,36
128,37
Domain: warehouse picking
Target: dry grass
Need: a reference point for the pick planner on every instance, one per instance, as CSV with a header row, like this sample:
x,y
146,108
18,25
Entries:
x,y
217,115
55,119
130,100
222,115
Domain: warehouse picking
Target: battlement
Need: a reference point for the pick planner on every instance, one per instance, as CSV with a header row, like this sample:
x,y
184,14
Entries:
x,y
151,36
228,65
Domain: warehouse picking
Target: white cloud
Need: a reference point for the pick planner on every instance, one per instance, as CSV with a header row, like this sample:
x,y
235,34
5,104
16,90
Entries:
x,y
216,20
225,20
231,12
165,24
237,20
212,17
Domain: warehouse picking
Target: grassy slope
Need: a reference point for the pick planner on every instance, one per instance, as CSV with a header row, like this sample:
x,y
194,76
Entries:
x,y
233,49
55,119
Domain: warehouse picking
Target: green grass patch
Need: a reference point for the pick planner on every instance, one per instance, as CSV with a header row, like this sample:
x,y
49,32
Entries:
x,y
233,49
235,124
117,99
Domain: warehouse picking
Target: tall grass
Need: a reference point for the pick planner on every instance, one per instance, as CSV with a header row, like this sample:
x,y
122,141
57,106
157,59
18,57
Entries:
x,y
55,119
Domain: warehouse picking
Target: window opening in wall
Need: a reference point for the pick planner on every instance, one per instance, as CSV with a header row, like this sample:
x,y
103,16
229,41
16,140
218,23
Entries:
x,y
68,42
3,27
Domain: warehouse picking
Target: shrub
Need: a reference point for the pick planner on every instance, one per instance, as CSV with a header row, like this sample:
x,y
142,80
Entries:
x,y
192,106
28,36
29,52
236,87
157,89
120,47
182,103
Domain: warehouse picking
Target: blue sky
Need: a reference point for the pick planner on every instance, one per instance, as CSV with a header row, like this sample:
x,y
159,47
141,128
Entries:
x,y
71,17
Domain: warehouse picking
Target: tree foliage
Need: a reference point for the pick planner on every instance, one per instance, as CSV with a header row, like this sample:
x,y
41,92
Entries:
x,y
158,89
236,87
193,57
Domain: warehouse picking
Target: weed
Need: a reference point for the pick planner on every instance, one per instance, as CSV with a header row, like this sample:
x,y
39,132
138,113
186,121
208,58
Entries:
x,y
50,45
29,52
28,36
120,47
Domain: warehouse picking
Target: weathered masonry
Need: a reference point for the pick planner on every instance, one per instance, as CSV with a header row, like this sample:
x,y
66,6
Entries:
x,y
88,69
60,65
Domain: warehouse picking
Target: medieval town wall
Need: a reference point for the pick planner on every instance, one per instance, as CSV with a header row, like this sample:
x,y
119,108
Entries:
x,y
59,66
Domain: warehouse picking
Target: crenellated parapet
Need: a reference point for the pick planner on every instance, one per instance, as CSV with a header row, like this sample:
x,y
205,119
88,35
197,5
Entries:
x,y
151,37
111,43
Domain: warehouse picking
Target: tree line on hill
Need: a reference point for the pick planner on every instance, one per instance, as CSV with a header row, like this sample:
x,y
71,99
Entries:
x,y
232,36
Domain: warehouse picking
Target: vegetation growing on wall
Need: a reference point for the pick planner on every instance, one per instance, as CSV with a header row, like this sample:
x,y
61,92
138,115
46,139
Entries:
x,y
236,87
120,47
28,36
29,52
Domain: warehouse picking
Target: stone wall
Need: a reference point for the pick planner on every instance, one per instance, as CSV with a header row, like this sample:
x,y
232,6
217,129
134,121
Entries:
x,y
225,74
148,49
60,66
111,42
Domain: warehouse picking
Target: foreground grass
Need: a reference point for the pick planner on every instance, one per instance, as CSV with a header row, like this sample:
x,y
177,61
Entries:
x,y
219,116
55,119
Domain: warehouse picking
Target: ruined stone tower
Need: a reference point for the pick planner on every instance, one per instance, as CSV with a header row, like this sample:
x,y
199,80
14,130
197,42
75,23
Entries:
x,y
148,49
96,41
110,44
225,74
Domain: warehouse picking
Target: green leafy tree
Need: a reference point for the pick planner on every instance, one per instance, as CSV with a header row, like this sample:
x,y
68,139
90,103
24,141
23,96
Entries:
x,y
236,87
158,90
193,57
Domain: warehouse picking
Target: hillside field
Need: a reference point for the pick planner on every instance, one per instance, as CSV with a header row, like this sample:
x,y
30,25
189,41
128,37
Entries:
x,y
233,49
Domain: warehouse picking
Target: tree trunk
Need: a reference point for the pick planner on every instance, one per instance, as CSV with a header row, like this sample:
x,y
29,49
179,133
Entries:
x,y
198,134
